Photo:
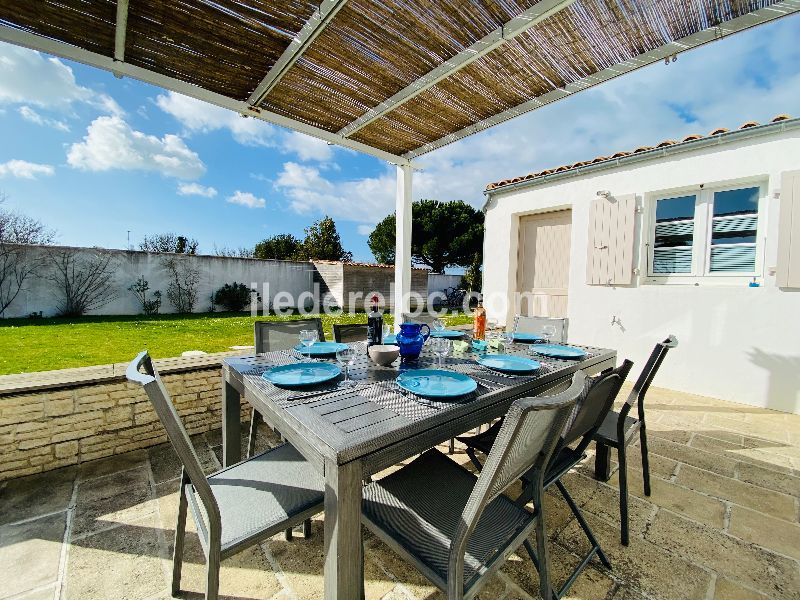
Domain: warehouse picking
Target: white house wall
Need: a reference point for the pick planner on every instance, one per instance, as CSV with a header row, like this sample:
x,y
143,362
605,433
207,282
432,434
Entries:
x,y
736,342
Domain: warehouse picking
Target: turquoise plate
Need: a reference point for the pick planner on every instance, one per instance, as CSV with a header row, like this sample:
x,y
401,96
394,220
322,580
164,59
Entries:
x,y
527,337
447,333
321,348
302,373
436,383
556,351
509,363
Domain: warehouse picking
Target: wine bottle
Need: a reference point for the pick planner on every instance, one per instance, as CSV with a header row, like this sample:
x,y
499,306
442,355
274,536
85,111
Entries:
x,y
374,324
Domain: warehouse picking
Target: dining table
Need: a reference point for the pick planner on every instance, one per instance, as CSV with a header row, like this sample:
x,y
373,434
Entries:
x,y
351,433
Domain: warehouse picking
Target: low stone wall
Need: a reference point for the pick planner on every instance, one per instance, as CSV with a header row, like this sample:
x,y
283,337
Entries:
x,y
63,424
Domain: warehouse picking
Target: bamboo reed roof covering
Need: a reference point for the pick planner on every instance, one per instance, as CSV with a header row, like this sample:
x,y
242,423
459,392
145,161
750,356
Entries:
x,y
336,67
623,153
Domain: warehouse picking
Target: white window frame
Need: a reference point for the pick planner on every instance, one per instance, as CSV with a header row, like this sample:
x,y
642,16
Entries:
x,y
701,243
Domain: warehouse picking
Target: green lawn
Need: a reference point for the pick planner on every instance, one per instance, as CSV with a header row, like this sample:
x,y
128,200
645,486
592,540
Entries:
x,y
44,344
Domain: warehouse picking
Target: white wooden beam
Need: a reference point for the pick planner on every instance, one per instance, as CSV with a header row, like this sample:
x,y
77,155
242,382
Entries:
x,y
107,63
537,13
121,31
402,252
758,17
312,28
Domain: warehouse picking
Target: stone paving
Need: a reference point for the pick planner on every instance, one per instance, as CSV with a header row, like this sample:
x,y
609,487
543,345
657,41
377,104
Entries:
x,y
721,524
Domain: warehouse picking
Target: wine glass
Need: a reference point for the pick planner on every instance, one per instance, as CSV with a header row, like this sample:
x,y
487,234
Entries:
x,y
307,339
491,325
548,331
346,357
437,325
441,347
387,330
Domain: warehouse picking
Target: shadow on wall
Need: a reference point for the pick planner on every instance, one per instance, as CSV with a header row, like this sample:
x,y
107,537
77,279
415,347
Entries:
x,y
783,392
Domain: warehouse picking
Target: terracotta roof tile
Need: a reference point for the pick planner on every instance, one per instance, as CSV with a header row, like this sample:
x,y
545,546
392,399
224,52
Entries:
x,y
621,154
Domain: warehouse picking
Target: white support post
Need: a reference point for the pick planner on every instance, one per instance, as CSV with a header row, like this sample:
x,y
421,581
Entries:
x,y
402,254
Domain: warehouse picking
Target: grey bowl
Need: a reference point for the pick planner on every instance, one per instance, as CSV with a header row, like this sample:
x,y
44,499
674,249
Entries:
x,y
383,355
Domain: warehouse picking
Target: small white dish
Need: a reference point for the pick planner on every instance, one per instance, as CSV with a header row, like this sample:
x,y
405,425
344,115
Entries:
x,y
383,355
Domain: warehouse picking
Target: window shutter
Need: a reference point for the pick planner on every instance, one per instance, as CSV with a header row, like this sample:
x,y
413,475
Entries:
x,y
609,259
788,274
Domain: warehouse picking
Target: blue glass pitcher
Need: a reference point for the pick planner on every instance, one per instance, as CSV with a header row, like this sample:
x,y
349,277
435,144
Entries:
x,y
410,339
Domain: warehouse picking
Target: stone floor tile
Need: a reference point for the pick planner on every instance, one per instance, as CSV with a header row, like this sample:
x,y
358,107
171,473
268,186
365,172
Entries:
x,y
30,553
773,534
725,554
166,465
120,563
36,495
45,593
764,430
107,501
112,464
692,456
726,589
738,492
642,564
602,499
768,478
676,498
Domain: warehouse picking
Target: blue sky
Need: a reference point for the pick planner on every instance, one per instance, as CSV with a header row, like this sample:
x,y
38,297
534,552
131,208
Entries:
x,y
94,156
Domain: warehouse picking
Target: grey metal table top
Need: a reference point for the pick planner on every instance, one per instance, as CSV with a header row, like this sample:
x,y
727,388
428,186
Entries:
x,y
375,420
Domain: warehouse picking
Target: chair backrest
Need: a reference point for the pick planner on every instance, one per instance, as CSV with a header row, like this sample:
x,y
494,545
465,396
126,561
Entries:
x,y
524,324
350,333
164,408
283,335
424,317
525,441
648,373
592,406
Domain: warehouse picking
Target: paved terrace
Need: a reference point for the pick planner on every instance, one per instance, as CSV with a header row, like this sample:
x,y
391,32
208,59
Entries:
x,y
722,523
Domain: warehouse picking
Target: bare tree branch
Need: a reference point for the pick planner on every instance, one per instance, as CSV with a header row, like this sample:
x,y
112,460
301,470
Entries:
x,y
84,284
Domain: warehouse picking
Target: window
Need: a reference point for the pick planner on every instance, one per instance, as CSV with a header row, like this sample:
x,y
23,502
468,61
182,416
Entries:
x,y
711,232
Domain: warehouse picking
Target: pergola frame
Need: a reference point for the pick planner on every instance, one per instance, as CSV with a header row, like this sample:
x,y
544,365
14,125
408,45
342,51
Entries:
x,y
294,55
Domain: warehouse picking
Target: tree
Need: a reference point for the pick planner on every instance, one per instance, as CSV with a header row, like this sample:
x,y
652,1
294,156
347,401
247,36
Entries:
x,y
17,263
444,234
83,283
164,243
183,280
283,246
322,242
240,252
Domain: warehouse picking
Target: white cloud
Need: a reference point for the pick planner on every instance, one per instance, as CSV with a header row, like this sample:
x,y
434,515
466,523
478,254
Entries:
x,y
22,169
27,113
307,147
110,143
195,189
363,200
29,77
246,199
365,229
198,116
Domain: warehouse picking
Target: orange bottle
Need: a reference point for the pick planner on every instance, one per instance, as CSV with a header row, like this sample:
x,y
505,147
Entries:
x,y
479,322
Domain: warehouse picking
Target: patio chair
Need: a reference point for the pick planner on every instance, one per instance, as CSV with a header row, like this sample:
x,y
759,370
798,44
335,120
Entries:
x,y
350,333
590,410
524,324
239,506
619,430
277,335
458,528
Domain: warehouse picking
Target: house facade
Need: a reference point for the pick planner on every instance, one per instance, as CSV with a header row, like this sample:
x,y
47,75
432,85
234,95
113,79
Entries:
x,y
699,238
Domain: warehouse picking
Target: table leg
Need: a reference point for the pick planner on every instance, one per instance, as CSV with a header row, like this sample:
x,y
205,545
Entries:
x,y
602,462
343,550
231,425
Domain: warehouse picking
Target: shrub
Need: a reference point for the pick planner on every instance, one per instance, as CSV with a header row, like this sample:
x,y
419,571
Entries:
x,y
233,297
139,289
182,289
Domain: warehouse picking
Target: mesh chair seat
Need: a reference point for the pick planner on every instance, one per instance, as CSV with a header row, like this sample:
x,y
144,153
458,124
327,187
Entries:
x,y
484,440
419,507
607,434
257,497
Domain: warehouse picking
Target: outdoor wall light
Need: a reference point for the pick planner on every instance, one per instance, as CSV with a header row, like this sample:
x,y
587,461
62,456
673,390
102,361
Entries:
x,y
604,193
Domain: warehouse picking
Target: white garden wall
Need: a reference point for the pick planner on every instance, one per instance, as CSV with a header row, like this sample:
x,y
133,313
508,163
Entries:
x,y
39,294
736,342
